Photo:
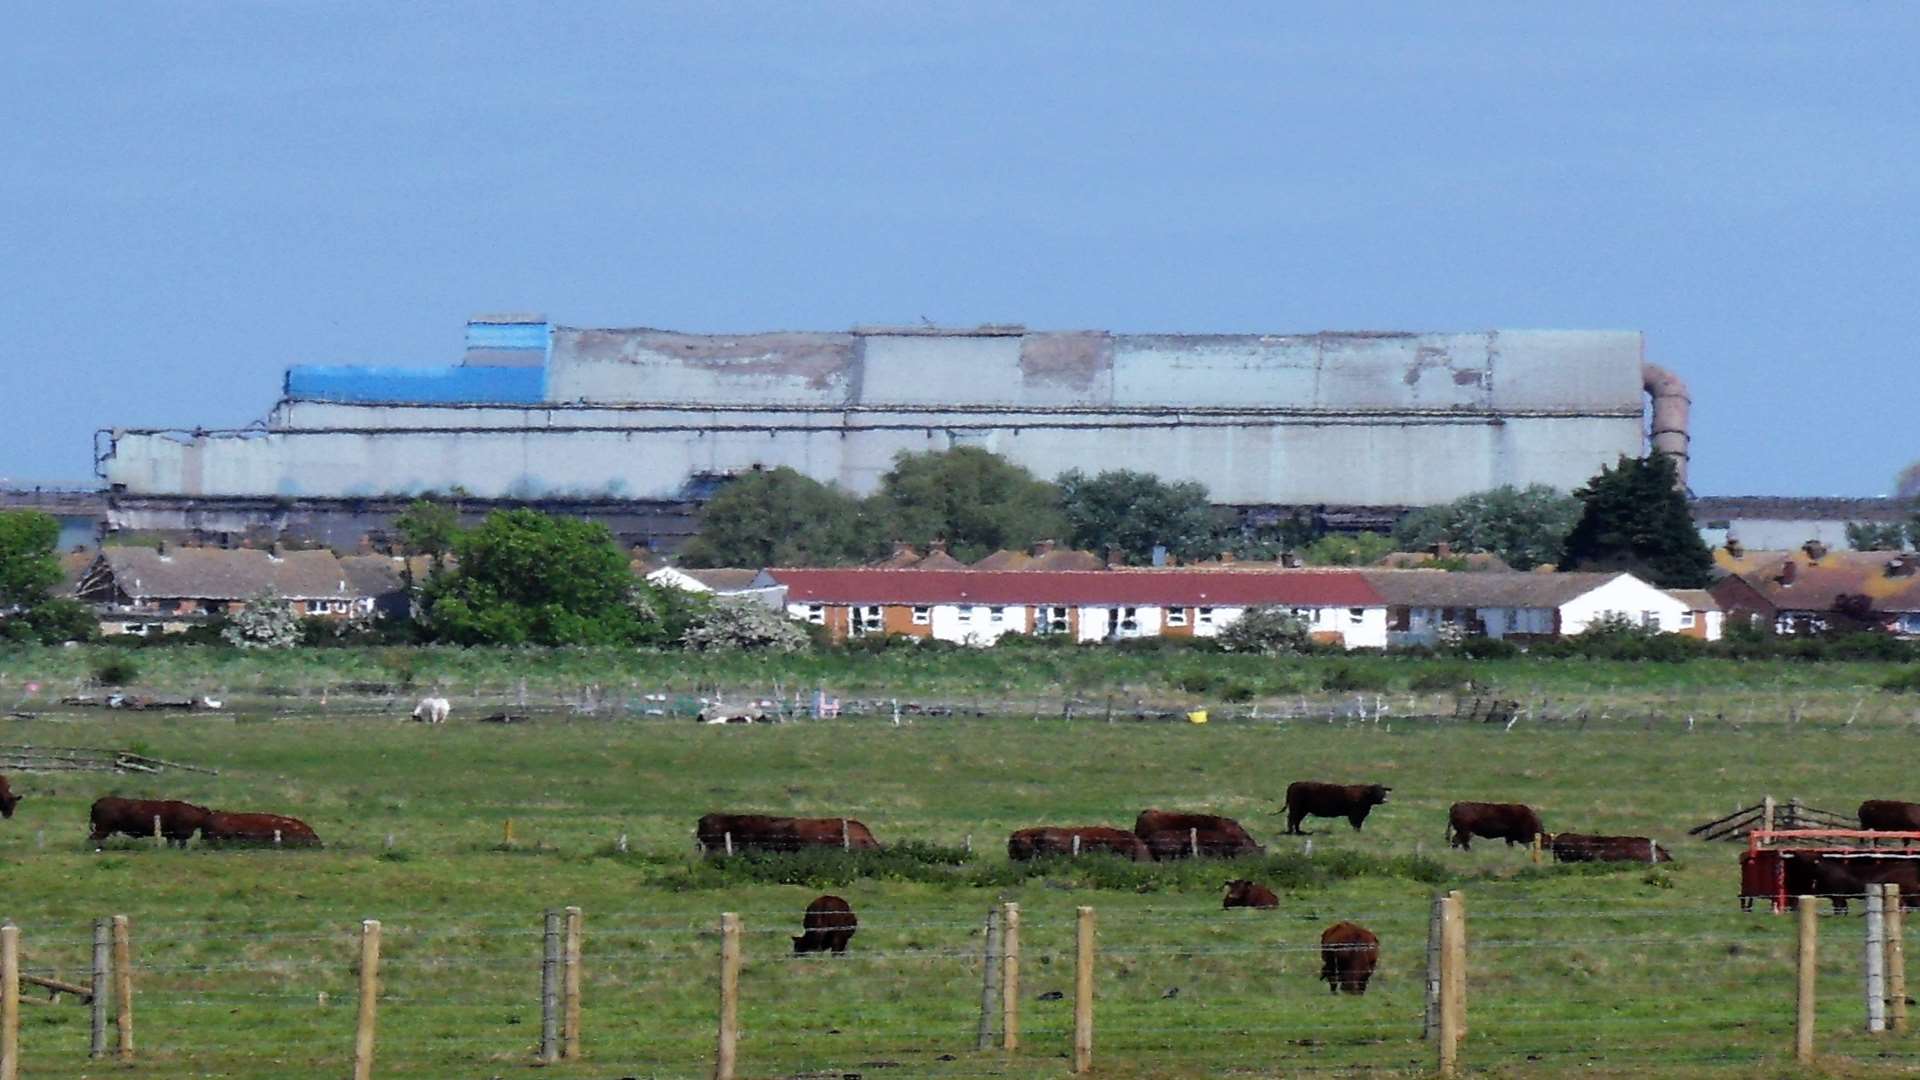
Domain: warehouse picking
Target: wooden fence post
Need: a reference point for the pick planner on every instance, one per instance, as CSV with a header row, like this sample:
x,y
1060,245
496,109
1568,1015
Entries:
x,y
506,834
369,999
1876,960
159,838
9,1002
724,1057
989,982
576,930
1767,813
550,989
123,984
102,974
1808,972
1452,1006
1083,991
1896,930
1430,1027
1533,849
1010,977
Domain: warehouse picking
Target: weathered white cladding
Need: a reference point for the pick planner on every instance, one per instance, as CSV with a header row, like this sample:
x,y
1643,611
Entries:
x,y
1341,419
1244,460
1496,370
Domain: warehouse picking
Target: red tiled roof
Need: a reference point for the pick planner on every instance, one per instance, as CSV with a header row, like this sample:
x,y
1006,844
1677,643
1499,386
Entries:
x,y
1166,588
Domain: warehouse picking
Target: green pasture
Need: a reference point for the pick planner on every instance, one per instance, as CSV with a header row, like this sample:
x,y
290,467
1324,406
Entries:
x,y
1619,971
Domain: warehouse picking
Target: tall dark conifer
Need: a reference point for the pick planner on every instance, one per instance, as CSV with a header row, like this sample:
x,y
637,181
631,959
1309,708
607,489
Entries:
x,y
1634,517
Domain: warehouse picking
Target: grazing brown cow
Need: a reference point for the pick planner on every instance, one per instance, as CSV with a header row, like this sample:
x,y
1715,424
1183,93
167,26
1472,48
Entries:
x,y
1583,847
8,800
1170,835
256,830
134,817
759,832
827,926
1516,823
1311,798
1890,815
1348,954
1037,843
1243,893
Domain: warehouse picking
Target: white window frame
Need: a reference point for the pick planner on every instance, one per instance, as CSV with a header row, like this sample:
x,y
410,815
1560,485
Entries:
x,y
963,613
1127,619
1054,619
922,615
817,614
997,614
869,619
1204,616
1356,615
1687,620
1176,616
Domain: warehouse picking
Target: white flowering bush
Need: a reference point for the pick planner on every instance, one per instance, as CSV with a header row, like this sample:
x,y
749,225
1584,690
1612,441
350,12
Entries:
x,y
741,625
266,621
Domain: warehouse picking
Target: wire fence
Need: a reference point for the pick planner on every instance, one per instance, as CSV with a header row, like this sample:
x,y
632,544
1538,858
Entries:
x,y
1561,984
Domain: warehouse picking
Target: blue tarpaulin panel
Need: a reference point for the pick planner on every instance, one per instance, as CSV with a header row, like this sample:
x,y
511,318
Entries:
x,y
419,386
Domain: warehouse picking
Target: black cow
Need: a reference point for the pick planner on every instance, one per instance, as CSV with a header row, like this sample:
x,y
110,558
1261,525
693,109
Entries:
x,y
177,821
1890,815
1516,823
1311,798
827,926
1243,893
1348,954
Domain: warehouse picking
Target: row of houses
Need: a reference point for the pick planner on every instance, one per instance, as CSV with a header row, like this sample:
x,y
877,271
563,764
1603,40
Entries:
x,y
139,590
167,590
1354,608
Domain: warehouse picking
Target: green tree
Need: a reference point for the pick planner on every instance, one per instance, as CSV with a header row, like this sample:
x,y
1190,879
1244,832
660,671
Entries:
x,y
524,577
977,501
1346,549
1524,526
29,566
1634,518
781,518
428,528
29,571
1133,512
1877,536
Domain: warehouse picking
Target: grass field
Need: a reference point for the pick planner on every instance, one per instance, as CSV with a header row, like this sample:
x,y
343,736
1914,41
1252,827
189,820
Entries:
x,y
1623,971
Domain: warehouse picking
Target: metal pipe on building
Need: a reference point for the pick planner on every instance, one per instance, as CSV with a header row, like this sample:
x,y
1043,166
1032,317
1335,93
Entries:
x,y
1669,434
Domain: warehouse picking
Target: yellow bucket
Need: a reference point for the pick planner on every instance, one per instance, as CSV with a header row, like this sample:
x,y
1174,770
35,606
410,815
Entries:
x,y
1197,716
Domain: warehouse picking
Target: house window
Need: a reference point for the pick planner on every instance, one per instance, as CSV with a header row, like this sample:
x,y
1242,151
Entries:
x,y
963,613
1205,615
1686,620
817,614
1177,616
869,619
1129,620
922,615
1650,620
1303,613
1356,614
997,614
1053,620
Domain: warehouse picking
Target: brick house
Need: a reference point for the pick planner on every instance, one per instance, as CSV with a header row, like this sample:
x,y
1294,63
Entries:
x,y
166,590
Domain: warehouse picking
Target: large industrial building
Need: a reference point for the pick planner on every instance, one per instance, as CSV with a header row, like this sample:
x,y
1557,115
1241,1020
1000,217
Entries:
x,y
638,425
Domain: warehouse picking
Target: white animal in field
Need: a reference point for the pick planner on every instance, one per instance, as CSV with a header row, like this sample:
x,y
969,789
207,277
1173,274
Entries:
x,y
433,710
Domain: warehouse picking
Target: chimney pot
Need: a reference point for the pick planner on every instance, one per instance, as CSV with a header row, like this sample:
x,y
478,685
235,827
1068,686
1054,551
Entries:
x,y
1815,550
1733,546
936,547
1043,547
1290,560
1789,573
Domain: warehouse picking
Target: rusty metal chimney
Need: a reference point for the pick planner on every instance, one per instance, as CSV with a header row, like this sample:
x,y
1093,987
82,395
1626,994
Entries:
x,y
1669,433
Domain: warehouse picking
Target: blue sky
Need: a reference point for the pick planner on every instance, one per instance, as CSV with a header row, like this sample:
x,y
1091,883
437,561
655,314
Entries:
x,y
193,196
